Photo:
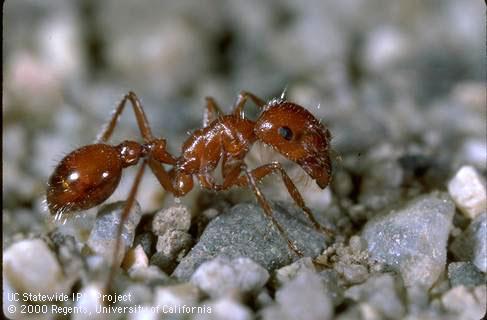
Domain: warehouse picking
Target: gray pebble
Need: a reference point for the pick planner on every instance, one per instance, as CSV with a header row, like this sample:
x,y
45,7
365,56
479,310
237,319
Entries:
x,y
30,266
413,239
464,273
302,298
380,292
225,308
289,272
222,276
471,244
246,231
466,303
177,295
103,236
173,218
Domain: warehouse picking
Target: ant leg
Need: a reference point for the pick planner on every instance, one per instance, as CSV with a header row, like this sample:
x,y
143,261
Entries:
x,y
123,219
212,111
264,170
142,121
242,99
267,209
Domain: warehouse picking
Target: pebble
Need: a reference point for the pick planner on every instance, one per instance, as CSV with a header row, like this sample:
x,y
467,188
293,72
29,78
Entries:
x,y
289,272
174,243
466,303
173,218
465,273
90,300
135,258
302,298
30,266
246,231
467,189
471,244
222,276
103,236
403,240
380,292
150,275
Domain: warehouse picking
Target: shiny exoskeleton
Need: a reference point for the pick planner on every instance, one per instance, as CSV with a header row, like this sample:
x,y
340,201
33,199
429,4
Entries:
x,y
89,175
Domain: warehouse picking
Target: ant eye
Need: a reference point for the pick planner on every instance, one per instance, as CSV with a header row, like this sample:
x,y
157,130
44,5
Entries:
x,y
285,132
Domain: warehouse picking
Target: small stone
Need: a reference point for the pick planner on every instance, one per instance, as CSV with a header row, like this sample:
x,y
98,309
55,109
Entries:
x,y
135,258
147,241
287,273
174,243
302,298
467,188
380,292
354,273
246,231
103,236
30,266
174,218
471,244
413,239
185,294
222,276
464,273
464,302
164,262
225,308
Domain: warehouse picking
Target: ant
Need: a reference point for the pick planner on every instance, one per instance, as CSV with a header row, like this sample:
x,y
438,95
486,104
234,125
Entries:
x,y
87,176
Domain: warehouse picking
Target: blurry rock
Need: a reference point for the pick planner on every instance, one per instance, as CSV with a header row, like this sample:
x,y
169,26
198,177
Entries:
x,y
466,303
222,276
287,273
380,292
164,262
471,244
302,298
90,300
173,218
149,275
413,239
467,188
465,273
225,308
30,266
103,236
333,285
246,231
185,294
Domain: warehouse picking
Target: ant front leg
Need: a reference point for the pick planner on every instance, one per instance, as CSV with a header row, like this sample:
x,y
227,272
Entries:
x,y
268,210
212,111
267,169
242,99
142,121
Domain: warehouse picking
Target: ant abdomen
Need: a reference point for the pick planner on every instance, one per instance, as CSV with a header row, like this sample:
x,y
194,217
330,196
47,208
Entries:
x,y
84,178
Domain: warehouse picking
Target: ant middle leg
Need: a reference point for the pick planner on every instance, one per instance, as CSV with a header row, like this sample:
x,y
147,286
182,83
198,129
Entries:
x,y
142,121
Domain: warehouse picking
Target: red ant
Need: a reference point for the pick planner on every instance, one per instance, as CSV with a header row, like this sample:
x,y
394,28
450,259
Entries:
x,y
89,175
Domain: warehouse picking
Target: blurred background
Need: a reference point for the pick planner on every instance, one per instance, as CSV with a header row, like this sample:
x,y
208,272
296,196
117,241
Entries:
x,y
402,78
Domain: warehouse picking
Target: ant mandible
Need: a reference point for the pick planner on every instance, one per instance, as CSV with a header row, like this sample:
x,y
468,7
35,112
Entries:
x,y
89,175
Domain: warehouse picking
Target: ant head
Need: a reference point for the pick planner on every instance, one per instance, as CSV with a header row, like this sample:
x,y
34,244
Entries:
x,y
295,133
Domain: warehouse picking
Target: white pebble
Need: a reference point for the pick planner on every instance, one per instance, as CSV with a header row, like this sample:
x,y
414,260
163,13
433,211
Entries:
x,y
467,188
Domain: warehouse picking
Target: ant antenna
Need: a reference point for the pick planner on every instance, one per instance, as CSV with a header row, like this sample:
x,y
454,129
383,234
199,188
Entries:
x,y
283,94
